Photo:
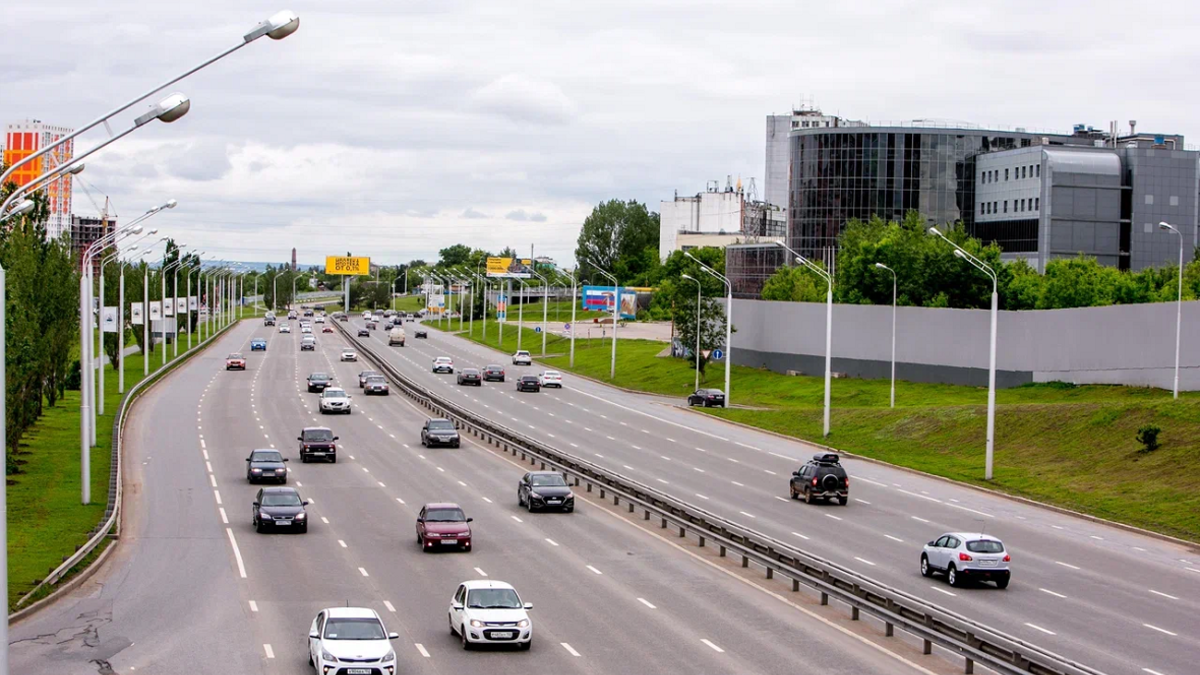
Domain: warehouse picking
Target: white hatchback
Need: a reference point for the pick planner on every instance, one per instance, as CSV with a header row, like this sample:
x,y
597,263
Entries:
x,y
349,355
967,556
490,612
345,639
284,328
522,358
443,364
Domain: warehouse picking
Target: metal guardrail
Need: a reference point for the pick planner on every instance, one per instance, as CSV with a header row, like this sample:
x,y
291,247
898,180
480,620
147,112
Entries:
x,y
972,641
110,526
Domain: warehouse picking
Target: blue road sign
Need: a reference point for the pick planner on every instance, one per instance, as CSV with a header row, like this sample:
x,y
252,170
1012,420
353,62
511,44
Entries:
x,y
537,329
717,354
566,326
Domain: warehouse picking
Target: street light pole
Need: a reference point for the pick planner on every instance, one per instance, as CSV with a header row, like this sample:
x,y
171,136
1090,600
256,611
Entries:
x,y
828,325
612,368
521,314
991,412
729,338
545,307
574,305
688,276
881,266
1178,304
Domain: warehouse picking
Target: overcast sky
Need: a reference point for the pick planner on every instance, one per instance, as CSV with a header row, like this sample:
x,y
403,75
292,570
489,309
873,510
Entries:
x,y
394,128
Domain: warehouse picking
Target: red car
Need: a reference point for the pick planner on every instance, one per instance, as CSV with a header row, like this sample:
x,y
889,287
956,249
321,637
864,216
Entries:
x,y
327,329
442,525
235,361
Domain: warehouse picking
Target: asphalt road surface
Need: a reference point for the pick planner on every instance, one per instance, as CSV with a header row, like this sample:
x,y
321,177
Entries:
x,y
1115,600
193,589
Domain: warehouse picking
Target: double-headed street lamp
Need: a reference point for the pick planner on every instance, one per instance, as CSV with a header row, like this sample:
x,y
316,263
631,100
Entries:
x,y
612,368
174,265
698,288
729,329
881,266
574,285
828,326
20,208
991,411
545,306
1178,302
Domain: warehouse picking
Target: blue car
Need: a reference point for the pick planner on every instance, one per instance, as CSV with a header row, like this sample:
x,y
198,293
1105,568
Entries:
x,y
258,344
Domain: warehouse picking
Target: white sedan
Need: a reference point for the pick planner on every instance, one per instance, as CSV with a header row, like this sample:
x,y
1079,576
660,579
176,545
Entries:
x,y
284,328
305,328
334,400
349,355
320,318
490,612
550,378
341,635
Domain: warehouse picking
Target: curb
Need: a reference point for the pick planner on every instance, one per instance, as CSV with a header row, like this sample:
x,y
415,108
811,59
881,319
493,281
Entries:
x,y
1192,545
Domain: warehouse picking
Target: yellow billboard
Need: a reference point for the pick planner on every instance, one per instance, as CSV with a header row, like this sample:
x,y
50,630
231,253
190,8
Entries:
x,y
335,264
509,268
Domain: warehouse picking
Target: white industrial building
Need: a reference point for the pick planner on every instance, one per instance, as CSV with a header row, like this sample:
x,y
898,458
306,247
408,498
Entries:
x,y
716,217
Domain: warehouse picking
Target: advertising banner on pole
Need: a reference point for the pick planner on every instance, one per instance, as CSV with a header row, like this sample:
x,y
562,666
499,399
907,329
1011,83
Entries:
x,y
135,313
155,310
108,321
335,264
601,298
509,268
181,306
436,299
169,307
501,307
193,305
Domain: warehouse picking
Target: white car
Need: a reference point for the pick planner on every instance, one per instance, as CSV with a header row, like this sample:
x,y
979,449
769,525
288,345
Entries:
x,y
443,364
320,318
967,556
350,640
490,612
284,328
550,378
349,355
305,328
334,400
522,358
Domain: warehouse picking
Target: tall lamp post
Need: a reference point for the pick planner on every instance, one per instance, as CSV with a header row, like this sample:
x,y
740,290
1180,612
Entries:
x,y
729,330
698,288
612,368
881,266
163,283
574,305
1178,302
828,326
545,306
991,412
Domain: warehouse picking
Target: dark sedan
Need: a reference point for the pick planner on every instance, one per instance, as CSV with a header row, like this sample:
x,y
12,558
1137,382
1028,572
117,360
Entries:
x,y
493,373
317,382
421,333
439,432
545,490
266,465
470,376
363,332
376,384
707,398
366,375
280,509
528,383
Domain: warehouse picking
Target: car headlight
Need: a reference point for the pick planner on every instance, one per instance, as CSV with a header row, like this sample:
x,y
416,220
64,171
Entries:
x,y
326,656
476,623
523,623
534,495
255,470
390,656
301,516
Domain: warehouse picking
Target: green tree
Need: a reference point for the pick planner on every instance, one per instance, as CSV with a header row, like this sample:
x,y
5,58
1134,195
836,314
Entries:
x,y
795,284
458,254
615,237
676,297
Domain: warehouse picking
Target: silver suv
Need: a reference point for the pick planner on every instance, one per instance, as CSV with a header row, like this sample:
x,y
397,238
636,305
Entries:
x,y
967,556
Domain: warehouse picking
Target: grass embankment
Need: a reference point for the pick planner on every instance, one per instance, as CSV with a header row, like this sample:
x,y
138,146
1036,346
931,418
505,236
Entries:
x,y
1069,446
46,521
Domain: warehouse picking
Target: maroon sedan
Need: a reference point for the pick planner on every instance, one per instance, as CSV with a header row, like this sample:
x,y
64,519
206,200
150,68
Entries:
x,y
442,525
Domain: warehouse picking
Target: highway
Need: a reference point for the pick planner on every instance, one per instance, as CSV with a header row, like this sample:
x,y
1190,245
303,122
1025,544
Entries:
x,y
192,588
1113,599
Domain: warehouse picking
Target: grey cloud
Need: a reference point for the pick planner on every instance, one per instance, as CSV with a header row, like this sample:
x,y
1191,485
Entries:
x,y
472,213
205,161
521,215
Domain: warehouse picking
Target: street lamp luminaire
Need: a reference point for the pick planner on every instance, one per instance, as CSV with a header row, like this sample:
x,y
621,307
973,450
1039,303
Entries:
x,y
688,276
729,333
1178,302
991,412
881,266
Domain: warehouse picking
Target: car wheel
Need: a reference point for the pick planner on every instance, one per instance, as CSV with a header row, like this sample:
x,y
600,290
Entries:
x,y
466,643
310,661
526,645
456,444
792,491
843,500
451,623
952,576
926,570
304,459
304,530
569,509
1002,583
808,499
520,500
333,460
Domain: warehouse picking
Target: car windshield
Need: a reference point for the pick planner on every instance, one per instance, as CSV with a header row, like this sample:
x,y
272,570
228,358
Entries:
x,y
354,629
376,379
318,435
334,393
441,425
318,377
235,356
265,456
547,479
493,598
985,546
280,499
445,515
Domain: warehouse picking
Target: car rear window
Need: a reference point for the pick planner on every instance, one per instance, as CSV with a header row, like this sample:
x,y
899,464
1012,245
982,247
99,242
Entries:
x,y
985,546
318,435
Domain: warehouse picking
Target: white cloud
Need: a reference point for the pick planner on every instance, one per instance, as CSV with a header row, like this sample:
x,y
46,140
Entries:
x,y
523,99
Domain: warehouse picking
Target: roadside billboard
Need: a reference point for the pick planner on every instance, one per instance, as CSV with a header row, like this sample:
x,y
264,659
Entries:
x,y
435,299
353,265
509,268
601,298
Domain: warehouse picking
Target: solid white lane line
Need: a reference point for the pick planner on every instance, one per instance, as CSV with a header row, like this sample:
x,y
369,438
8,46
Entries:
x,y
1169,597
487,500
862,501
800,535
342,543
1070,567
270,652
421,648
253,606
363,572
236,553
517,519
714,647
737,483
570,649
594,569
922,520
1161,630
662,481
864,560
646,603
942,590
551,542
895,539
224,518
1049,592
1037,627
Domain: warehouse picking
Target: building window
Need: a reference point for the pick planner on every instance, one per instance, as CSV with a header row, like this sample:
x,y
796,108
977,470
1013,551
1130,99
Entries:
x,y
1037,203
995,207
1174,200
1006,204
1022,172
1149,199
1039,170
1006,175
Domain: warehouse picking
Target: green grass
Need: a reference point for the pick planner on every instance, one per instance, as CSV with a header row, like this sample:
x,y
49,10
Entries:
x,y
46,521
1069,446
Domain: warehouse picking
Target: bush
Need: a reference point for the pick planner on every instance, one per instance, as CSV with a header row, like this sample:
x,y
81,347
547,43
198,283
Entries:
x,y
75,377
1147,435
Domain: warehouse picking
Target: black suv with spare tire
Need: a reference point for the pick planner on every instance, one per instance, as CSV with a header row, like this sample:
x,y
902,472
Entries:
x,y
822,477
